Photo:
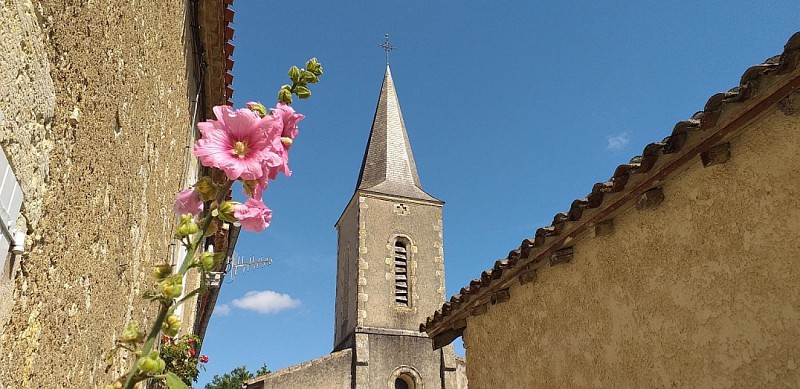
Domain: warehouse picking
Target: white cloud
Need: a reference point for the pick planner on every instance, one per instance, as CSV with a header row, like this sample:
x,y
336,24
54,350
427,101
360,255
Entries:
x,y
222,310
265,301
618,142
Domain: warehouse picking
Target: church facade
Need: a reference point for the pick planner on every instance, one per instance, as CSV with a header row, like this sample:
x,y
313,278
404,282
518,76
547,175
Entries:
x,y
390,276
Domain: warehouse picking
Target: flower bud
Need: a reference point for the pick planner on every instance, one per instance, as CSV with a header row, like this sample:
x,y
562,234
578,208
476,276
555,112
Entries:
x,y
132,333
171,326
310,77
313,66
151,364
161,272
257,107
294,74
172,287
206,188
302,92
207,261
226,210
187,226
285,96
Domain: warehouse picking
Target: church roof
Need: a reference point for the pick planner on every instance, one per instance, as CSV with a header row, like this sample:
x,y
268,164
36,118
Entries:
x,y
761,86
388,166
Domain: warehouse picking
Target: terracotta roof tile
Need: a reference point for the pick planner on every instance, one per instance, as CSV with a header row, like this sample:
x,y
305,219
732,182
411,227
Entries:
x,y
770,81
216,18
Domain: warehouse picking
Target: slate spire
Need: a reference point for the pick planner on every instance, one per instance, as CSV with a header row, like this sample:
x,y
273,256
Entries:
x,y
388,166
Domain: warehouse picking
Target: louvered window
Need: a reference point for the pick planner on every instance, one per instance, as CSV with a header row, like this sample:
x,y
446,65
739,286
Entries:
x,y
400,274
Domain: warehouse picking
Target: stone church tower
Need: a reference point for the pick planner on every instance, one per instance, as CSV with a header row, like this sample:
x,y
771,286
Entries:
x,y
390,276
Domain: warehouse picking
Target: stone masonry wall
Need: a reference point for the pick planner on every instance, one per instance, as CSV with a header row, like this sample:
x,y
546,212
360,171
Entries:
x,y
329,372
383,222
95,122
700,291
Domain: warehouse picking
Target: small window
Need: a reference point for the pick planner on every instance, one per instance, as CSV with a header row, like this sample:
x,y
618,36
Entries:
x,y
400,274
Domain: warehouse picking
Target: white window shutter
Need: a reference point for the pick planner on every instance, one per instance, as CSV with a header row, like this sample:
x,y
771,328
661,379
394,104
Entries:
x,y
10,203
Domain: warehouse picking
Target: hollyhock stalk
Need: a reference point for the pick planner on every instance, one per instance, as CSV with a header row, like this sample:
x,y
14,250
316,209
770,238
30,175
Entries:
x,y
163,312
248,145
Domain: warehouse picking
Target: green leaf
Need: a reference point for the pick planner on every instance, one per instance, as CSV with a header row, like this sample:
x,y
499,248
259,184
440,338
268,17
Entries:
x,y
175,382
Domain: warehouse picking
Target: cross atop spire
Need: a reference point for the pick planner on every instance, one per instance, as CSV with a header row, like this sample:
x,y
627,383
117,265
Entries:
x,y
387,47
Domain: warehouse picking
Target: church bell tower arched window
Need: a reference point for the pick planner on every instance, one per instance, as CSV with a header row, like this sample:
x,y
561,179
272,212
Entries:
x,y
401,289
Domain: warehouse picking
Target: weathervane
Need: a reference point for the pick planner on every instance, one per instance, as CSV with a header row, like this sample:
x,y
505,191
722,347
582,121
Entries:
x,y
387,48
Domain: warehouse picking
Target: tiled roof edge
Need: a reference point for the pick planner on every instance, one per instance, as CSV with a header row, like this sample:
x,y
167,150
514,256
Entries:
x,y
216,18
760,87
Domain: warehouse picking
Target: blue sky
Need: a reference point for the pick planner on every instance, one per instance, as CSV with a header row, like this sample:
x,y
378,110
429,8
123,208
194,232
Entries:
x,y
513,108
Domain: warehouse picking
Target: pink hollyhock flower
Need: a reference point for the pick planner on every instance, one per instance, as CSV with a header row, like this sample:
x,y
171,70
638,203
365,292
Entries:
x,y
289,119
254,215
255,188
257,107
203,359
191,352
236,142
188,201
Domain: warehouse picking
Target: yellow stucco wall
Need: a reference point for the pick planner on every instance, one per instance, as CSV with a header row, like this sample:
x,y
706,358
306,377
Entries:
x,y
95,121
701,291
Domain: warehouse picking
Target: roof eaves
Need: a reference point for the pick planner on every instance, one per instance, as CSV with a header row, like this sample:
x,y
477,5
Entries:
x,y
760,87
216,18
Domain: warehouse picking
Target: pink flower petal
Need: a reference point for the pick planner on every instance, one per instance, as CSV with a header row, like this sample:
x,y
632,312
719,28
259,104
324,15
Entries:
x,y
254,215
188,201
236,142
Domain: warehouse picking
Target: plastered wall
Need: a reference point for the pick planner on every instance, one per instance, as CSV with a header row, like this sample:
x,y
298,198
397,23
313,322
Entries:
x,y
701,291
95,121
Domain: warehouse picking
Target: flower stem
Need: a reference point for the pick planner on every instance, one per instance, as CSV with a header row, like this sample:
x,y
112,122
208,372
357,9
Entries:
x,y
191,250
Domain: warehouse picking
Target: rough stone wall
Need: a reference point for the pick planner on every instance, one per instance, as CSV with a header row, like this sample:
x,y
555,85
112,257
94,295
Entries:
x,y
388,353
329,372
95,124
701,291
